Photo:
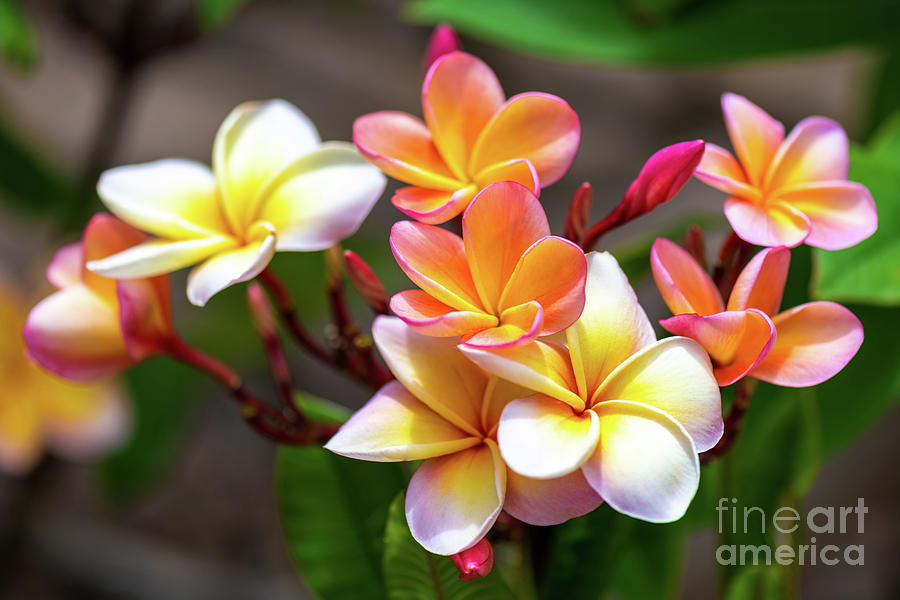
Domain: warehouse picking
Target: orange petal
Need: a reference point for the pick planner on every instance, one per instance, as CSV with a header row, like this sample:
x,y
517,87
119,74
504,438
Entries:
x,y
519,170
459,97
433,206
775,224
719,169
104,236
816,150
761,283
539,127
400,145
501,223
435,260
518,325
754,134
841,213
683,283
430,317
551,272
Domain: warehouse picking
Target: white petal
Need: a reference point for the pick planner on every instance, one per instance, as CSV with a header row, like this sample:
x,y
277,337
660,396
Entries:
x,y
158,257
227,268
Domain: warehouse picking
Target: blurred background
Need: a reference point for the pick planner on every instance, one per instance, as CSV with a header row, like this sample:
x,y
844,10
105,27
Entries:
x,y
186,507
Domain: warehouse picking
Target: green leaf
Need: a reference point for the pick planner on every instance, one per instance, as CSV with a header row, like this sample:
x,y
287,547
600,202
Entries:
x,y
333,512
758,582
18,41
213,14
413,573
322,410
665,32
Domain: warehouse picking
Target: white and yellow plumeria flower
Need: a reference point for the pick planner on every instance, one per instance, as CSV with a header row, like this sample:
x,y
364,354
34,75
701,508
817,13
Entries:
x,y
273,186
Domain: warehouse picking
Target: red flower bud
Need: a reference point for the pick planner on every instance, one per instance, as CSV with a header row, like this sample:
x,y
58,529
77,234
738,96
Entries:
x,y
695,244
443,41
579,212
366,282
474,562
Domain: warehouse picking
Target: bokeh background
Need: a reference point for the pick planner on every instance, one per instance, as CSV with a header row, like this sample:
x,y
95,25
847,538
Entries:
x,y
186,509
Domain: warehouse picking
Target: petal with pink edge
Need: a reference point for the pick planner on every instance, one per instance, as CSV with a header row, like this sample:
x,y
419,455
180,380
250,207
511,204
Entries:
x,y
395,426
754,134
431,317
228,268
736,341
761,282
612,327
518,325
459,96
539,127
721,170
683,284
549,501
453,500
774,225
673,375
401,145
65,266
816,150
432,206
841,213
645,465
543,438
434,371
815,341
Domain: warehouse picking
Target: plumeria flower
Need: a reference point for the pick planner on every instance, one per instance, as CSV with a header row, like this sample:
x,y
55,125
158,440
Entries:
x,y
39,411
93,326
471,137
799,347
503,283
787,191
628,412
444,410
273,186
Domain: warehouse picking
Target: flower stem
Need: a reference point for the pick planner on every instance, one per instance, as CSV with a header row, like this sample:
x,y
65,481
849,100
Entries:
x,y
742,394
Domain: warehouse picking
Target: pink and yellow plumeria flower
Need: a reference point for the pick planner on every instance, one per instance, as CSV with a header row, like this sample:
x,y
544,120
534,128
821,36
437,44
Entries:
x,y
274,186
93,326
39,411
799,347
628,412
444,409
503,283
471,137
787,191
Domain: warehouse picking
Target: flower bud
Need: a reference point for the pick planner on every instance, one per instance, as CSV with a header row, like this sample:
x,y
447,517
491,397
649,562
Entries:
x,y
695,244
261,312
366,282
579,212
475,561
443,41
663,176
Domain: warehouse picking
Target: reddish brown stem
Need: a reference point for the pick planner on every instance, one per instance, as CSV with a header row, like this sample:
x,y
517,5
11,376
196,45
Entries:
x,y
598,229
742,394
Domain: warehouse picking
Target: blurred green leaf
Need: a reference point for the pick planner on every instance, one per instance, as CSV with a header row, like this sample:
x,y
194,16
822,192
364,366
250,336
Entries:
x,y
213,14
163,405
758,582
413,573
333,511
883,96
321,410
18,41
634,254
692,33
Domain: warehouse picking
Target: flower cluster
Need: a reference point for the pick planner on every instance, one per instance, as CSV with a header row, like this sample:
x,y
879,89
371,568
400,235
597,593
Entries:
x,y
524,374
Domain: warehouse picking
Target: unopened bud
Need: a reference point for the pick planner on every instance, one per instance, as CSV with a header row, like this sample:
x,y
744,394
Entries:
x,y
474,562
579,212
663,176
261,311
366,282
443,41
695,244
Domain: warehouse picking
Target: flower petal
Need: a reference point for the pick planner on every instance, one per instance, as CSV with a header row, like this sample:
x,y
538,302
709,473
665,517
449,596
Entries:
x,y
454,500
544,438
776,224
435,260
65,266
539,366
612,327
322,198
431,317
104,236
228,268
754,134
401,145
539,127
393,426
549,501
551,272
519,170
683,284
673,375
171,198
518,325
145,315
501,223
257,141
645,465
761,283
816,150
721,170
158,257
432,206
434,371
815,341
841,213
736,341
459,97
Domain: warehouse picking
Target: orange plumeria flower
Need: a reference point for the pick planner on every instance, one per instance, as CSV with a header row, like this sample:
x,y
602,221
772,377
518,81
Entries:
x,y
471,137
503,283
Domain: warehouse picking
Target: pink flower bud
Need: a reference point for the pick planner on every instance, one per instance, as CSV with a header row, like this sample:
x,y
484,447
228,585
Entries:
x,y
366,282
443,41
261,312
579,212
695,244
474,562
663,176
